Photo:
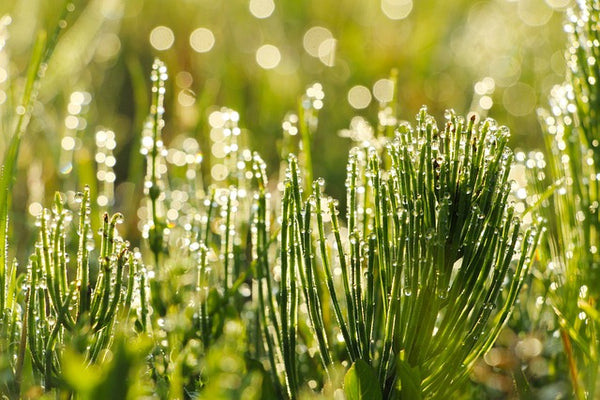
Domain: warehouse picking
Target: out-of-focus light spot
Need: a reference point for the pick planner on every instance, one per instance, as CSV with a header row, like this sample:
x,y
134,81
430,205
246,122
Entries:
x,y
101,136
519,99
176,157
383,90
66,168
313,38
106,139
6,20
327,52
109,10
77,98
268,56
184,79
486,102
110,177
534,12
35,209
71,122
74,108
80,98
261,8
528,348
396,9
172,214
110,161
216,135
218,172
521,193
218,150
162,38
558,3
216,120
232,116
493,357
68,143
485,86
480,88
2,96
102,200
359,97
538,367
202,40
489,84
108,47
290,124
3,75
186,98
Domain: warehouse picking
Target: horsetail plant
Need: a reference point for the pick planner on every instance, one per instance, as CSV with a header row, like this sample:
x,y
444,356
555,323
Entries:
x,y
153,148
405,293
195,235
422,284
73,307
572,138
13,126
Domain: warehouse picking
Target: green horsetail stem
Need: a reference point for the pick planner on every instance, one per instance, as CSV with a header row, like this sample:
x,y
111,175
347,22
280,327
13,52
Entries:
x,y
60,310
433,270
572,139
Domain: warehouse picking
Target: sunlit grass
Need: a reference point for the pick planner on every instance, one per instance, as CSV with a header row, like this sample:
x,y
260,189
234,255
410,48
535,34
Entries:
x,y
248,279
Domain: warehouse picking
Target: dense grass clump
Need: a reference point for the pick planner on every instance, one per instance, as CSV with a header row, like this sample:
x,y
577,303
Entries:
x,y
255,284
430,260
409,290
572,139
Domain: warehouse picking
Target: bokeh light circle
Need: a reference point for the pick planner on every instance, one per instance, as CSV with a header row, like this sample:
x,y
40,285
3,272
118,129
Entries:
x,y
202,40
268,56
359,97
162,38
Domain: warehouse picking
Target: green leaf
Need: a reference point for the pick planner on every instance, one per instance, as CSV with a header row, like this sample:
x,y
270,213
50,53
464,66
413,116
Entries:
x,y
522,385
409,382
361,383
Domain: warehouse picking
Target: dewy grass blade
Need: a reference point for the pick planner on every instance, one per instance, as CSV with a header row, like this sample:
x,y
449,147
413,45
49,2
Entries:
x,y
286,307
84,230
309,285
342,323
443,243
41,53
152,147
570,205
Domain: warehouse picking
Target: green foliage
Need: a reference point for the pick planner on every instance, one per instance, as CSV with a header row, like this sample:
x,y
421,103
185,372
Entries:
x,y
433,252
360,382
228,376
572,140
119,376
84,311
409,381
262,290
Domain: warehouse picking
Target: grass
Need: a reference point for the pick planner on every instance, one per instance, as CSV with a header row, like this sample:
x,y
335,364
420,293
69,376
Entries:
x,y
571,127
427,252
423,263
245,288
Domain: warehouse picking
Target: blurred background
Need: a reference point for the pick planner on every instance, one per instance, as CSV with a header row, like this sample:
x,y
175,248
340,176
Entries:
x,y
499,58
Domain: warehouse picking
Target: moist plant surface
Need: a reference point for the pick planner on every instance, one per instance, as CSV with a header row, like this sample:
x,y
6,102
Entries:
x,y
243,280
